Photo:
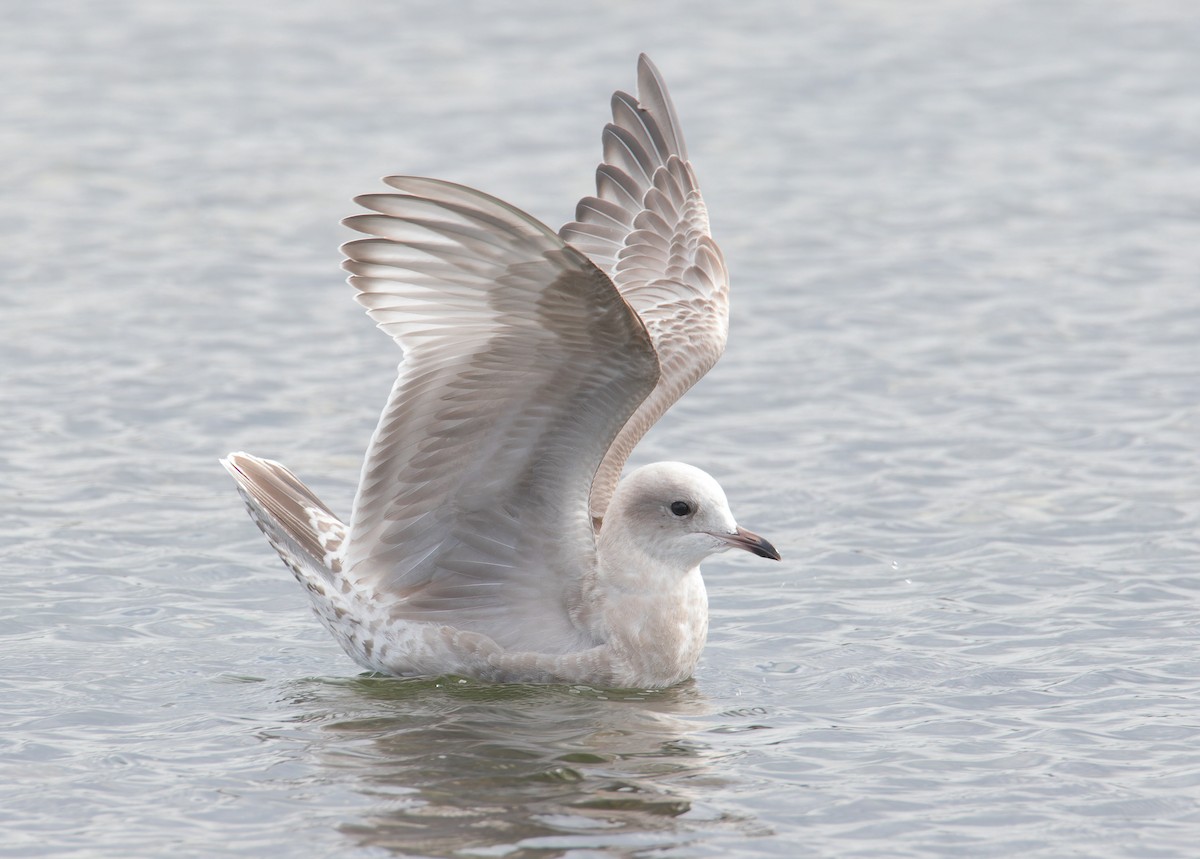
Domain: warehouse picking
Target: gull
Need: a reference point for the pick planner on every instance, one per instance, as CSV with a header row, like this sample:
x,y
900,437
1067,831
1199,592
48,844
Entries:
x,y
492,536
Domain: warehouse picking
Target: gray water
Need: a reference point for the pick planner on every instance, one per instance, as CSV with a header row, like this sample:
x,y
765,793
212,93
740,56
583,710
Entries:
x,y
961,395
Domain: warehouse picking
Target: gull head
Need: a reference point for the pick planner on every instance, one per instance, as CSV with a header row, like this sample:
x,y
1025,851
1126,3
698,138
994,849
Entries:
x,y
679,515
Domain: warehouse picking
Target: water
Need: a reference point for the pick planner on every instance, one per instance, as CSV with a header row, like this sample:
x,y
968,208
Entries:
x,y
961,395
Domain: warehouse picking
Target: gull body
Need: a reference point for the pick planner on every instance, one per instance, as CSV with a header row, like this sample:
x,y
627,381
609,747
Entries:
x,y
492,535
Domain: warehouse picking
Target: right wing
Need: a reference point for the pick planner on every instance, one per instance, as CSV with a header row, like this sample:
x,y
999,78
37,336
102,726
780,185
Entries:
x,y
648,229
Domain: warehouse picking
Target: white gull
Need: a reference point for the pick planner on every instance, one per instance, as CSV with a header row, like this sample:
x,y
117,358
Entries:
x,y
492,535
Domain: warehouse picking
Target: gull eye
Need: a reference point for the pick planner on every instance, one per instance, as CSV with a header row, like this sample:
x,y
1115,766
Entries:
x,y
681,508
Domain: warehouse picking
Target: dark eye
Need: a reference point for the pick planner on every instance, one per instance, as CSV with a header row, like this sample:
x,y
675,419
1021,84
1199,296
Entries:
x,y
681,508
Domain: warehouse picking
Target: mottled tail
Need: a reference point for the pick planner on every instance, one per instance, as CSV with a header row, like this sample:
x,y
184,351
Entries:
x,y
305,533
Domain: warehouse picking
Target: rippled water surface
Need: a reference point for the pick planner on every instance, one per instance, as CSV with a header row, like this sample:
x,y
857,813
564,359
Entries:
x,y
961,395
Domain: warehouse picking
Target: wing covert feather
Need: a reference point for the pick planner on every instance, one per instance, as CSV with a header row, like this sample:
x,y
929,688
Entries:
x,y
647,228
522,363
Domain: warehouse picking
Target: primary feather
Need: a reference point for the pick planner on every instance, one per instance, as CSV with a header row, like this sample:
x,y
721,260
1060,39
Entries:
x,y
647,228
489,534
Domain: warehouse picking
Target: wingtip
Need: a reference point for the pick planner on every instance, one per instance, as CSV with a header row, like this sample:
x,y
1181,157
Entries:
x,y
654,97
648,69
227,462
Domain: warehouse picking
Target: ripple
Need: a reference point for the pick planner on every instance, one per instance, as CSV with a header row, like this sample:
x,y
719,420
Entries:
x,y
960,394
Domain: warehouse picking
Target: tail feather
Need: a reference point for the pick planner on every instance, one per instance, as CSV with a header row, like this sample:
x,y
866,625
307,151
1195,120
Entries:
x,y
305,533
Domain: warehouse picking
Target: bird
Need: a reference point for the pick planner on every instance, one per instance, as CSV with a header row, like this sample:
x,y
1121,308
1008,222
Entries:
x,y
492,535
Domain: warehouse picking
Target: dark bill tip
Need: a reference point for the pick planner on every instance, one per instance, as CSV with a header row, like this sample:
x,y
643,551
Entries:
x,y
751,542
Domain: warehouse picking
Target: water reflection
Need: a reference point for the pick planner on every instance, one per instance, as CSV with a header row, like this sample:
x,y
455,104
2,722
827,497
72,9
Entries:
x,y
457,768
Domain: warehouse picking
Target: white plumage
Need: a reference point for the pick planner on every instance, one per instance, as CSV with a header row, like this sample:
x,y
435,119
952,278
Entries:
x,y
490,536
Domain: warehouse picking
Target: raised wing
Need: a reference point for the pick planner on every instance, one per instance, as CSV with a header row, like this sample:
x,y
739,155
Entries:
x,y
648,229
522,363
